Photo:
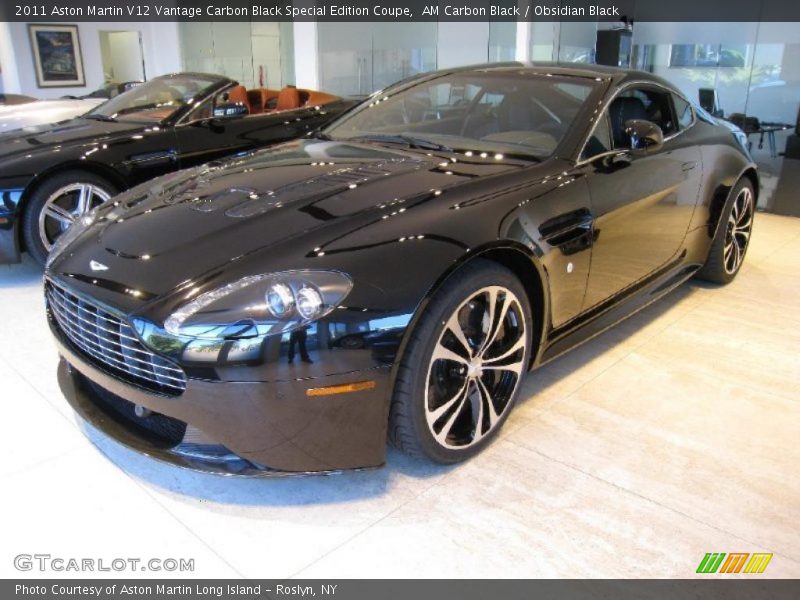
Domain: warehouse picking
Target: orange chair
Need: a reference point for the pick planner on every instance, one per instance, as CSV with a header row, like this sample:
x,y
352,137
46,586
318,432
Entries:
x,y
256,101
260,99
238,95
318,98
288,99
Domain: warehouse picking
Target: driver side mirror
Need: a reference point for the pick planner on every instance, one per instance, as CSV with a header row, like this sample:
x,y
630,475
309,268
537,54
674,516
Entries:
x,y
646,137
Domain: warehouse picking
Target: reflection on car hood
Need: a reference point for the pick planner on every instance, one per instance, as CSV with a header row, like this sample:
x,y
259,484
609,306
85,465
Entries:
x,y
183,225
43,112
43,138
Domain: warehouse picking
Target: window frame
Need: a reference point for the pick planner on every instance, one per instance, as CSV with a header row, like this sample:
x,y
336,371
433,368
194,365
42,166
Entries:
x,y
191,115
579,161
604,118
691,112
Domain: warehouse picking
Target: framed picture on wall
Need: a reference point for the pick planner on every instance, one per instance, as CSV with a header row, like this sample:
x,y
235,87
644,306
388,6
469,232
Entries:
x,y
57,55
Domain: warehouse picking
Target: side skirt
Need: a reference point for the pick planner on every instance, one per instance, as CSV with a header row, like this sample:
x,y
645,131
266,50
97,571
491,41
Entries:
x,y
609,313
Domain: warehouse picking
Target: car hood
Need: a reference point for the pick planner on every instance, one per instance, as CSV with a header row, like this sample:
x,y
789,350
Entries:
x,y
274,206
43,112
77,131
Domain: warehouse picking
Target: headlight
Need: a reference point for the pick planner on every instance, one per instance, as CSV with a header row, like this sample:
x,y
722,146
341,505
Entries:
x,y
280,300
261,305
309,302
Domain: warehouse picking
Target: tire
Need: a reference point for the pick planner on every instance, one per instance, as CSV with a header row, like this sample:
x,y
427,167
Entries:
x,y
65,197
445,409
728,249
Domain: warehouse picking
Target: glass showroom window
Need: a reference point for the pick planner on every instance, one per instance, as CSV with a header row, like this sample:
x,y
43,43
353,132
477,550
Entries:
x,y
359,58
569,42
258,54
745,72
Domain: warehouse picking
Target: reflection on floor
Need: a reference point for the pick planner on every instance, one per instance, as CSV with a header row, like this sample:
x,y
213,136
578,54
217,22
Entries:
x,y
672,435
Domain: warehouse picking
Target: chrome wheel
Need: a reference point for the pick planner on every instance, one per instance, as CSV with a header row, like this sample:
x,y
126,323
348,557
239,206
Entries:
x,y
737,234
64,206
475,367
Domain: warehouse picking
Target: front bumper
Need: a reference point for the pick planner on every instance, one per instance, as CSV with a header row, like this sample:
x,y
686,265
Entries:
x,y
250,428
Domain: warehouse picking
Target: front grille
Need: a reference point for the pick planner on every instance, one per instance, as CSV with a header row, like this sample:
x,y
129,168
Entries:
x,y
107,341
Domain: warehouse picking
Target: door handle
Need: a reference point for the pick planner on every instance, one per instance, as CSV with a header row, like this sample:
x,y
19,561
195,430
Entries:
x,y
688,166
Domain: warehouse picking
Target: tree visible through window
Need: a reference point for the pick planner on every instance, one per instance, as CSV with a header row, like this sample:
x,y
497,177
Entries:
x,y
707,55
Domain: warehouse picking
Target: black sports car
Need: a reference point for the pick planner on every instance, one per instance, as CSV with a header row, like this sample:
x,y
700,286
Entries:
x,y
472,223
109,90
52,175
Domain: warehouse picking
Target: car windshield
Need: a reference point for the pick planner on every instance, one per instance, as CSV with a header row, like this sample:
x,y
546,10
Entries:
x,y
516,112
156,100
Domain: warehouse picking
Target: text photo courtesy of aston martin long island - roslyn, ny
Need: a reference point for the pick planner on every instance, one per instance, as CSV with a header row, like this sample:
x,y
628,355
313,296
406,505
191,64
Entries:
x,y
317,295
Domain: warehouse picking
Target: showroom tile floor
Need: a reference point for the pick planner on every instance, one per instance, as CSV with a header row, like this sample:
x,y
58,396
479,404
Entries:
x,y
672,435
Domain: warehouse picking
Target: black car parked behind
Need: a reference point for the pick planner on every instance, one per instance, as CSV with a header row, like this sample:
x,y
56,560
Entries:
x,y
52,175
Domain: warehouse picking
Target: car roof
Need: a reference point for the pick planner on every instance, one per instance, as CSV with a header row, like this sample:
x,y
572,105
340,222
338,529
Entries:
x,y
212,76
584,70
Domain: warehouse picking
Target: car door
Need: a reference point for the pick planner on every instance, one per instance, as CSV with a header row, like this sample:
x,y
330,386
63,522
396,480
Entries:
x,y
642,203
150,154
209,134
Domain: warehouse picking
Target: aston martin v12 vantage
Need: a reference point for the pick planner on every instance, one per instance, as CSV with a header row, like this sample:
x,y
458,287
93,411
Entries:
x,y
395,274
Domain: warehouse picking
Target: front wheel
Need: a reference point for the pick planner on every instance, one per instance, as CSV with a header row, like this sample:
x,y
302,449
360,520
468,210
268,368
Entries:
x,y
56,204
460,374
732,239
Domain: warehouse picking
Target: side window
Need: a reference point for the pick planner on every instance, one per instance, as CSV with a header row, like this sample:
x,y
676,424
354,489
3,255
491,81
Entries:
x,y
577,91
600,140
643,103
425,104
491,99
203,111
683,112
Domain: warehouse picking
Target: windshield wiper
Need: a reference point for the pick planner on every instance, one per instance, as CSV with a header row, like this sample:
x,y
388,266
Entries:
x,y
99,117
410,141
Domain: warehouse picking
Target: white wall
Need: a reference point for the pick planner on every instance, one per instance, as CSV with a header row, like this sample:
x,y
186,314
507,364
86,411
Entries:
x,y
159,42
266,38
9,79
124,56
306,55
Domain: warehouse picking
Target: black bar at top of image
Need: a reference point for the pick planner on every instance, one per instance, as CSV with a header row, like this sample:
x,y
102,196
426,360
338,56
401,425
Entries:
x,y
54,11
739,588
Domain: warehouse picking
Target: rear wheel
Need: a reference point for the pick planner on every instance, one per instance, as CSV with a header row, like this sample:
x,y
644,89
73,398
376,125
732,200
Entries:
x,y
461,371
56,204
733,236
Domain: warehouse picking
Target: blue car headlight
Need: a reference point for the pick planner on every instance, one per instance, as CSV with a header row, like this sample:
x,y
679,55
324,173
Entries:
x,y
260,305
